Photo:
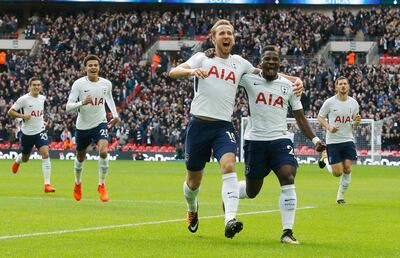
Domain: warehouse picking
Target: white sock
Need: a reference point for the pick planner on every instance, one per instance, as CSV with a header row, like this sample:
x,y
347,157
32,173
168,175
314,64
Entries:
x,y
103,170
230,195
287,205
18,159
343,186
242,190
78,166
46,169
191,197
328,166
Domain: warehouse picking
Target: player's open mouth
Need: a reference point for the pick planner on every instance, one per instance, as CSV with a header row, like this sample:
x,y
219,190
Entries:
x,y
226,44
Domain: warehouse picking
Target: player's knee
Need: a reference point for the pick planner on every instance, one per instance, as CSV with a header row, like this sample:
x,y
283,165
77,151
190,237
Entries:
x,y
347,170
228,166
288,180
252,193
103,154
45,155
337,172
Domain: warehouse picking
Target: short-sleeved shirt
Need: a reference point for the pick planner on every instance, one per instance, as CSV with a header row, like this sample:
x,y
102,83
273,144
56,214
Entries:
x,y
215,95
91,115
268,103
27,104
341,115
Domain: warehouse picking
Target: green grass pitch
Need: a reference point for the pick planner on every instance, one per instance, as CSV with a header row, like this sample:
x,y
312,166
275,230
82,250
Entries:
x,y
146,200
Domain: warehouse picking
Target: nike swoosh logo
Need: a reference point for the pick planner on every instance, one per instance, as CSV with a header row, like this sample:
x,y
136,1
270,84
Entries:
x,y
255,84
31,106
335,110
86,91
229,192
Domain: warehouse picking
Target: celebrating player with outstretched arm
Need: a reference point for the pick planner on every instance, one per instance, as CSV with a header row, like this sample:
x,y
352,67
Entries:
x,y
268,145
89,95
342,112
210,129
31,110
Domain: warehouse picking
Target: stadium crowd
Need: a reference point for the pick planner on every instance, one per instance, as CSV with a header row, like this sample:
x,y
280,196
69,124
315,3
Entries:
x,y
8,25
155,109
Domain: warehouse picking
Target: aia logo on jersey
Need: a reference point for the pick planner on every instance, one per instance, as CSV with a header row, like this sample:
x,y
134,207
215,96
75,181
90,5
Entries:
x,y
342,119
97,101
222,74
272,100
37,113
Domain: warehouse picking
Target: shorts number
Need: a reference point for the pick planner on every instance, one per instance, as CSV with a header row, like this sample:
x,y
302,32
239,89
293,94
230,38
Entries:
x,y
231,136
291,151
43,136
104,132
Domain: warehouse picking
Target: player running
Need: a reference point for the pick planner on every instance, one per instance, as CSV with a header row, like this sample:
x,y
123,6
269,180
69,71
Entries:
x,y
268,145
31,110
343,115
210,131
89,95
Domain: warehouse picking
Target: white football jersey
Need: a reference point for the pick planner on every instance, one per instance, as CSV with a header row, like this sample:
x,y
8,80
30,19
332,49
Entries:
x,y
28,104
215,96
268,106
340,114
91,115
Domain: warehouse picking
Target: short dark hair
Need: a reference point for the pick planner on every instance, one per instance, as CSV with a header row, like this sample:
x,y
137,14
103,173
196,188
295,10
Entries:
x,y
341,78
34,78
273,48
90,58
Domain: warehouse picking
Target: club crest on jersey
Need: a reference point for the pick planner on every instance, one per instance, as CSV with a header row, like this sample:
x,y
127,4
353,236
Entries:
x,y
234,65
104,91
284,90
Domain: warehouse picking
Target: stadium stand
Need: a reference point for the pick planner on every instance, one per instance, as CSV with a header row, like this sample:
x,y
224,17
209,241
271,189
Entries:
x,y
155,109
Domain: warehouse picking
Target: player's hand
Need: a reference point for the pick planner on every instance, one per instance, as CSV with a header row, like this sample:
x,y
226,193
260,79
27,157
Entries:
x,y
357,120
26,117
87,100
298,87
113,122
333,129
320,146
199,73
210,53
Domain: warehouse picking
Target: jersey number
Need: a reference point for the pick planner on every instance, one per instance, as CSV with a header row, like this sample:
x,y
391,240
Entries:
x,y
291,151
43,136
231,136
104,132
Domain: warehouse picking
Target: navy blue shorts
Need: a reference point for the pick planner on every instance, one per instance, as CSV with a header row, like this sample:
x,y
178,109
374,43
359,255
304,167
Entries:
x,y
338,152
85,137
206,137
28,141
262,156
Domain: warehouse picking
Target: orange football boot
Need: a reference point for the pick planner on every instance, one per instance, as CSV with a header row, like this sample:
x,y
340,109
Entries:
x,y
48,188
103,193
15,167
78,191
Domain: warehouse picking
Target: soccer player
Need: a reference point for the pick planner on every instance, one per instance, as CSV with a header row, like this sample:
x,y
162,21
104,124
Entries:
x,y
89,95
210,130
268,145
31,110
343,115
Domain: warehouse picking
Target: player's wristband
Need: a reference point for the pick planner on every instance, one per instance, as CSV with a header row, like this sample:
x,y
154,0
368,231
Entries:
x,y
315,140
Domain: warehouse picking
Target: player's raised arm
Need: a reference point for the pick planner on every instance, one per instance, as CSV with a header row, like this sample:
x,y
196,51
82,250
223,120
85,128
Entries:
x,y
184,70
306,129
111,105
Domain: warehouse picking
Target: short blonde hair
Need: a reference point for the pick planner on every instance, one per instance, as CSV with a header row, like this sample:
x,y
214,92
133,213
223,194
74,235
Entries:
x,y
219,23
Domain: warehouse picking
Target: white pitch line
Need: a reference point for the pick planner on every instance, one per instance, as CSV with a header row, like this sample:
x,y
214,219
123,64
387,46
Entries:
x,y
133,224
117,200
